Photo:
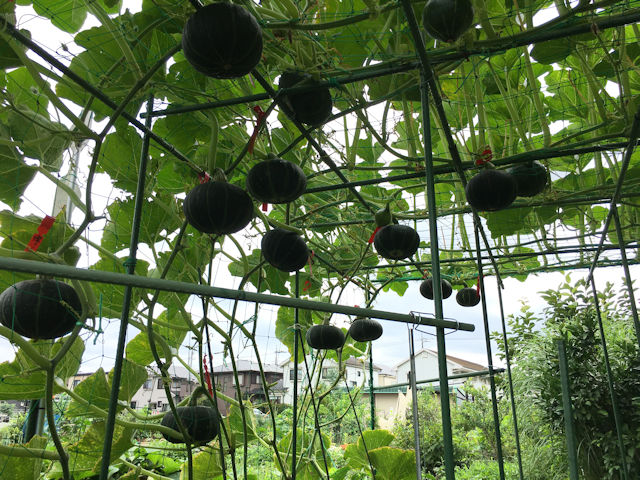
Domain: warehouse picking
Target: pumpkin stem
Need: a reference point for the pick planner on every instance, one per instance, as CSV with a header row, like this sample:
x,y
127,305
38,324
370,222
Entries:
x,y
383,216
197,393
217,175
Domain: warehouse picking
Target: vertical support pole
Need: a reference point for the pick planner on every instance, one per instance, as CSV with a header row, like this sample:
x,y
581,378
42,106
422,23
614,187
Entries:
x,y
294,433
627,273
511,396
447,434
612,393
372,402
487,339
414,403
130,264
572,451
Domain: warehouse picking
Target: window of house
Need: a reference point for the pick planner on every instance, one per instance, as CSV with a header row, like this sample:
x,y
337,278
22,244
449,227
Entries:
x,y
291,374
152,405
75,383
353,383
240,379
147,385
133,405
165,407
359,373
160,387
258,380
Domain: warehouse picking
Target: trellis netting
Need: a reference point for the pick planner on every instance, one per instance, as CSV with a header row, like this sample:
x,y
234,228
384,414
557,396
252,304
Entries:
x,y
106,127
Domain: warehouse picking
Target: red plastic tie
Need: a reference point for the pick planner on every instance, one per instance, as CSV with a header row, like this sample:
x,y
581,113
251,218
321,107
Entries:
x,y
485,156
207,377
203,177
265,206
373,235
44,227
478,286
259,119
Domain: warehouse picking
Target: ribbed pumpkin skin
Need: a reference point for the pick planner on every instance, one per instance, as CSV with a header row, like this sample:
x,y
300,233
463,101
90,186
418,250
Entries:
x,y
395,242
531,178
426,288
222,40
365,330
468,297
446,20
325,337
218,207
38,308
491,190
312,107
201,423
276,181
284,250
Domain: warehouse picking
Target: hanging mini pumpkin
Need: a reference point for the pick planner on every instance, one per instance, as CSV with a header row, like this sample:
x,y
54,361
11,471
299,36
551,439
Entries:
x,y
446,20
312,107
222,40
40,308
284,250
200,422
276,181
531,178
395,242
426,288
325,337
218,207
365,330
491,190
468,297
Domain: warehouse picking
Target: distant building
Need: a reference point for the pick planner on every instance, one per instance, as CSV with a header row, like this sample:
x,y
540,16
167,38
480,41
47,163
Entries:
x,y
427,369
250,383
153,395
74,380
356,375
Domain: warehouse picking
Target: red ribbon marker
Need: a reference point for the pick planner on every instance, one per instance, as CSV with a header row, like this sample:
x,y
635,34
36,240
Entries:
x,y
43,229
478,286
207,377
265,206
203,177
485,156
373,235
259,119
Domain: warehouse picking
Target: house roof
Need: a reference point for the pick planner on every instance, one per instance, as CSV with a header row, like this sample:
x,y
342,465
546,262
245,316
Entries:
x,y
450,358
247,366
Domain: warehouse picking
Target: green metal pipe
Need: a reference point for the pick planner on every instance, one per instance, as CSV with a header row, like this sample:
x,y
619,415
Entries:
x,y
294,421
614,399
487,339
567,407
65,271
126,303
447,433
507,356
372,400
633,140
627,273
480,373
414,405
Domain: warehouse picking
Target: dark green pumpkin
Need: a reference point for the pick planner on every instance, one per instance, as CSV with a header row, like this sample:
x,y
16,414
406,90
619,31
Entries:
x,y
446,20
325,337
40,308
426,288
284,250
218,207
395,242
531,178
468,297
312,107
365,330
222,40
491,190
276,181
201,423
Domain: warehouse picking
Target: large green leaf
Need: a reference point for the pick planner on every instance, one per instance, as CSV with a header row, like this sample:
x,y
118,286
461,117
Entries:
x,y
393,463
138,349
23,468
356,453
206,466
